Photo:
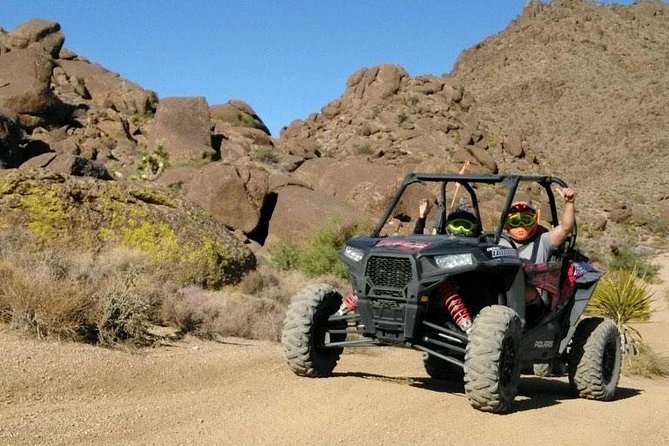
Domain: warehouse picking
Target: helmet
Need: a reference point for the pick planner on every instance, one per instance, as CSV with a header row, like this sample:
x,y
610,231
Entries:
x,y
521,221
462,223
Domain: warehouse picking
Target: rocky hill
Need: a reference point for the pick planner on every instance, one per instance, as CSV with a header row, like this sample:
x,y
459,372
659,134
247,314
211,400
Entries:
x,y
572,88
587,86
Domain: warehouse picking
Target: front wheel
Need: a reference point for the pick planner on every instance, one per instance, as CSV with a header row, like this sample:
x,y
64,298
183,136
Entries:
x,y
594,359
306,330
492,359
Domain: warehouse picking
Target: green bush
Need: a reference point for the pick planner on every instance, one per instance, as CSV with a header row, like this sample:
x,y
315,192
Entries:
x,y
622,298
152,163
318,255
285,255
627,261
263,154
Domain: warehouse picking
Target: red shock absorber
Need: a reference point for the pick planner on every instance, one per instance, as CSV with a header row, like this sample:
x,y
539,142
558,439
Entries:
x,y
349,304
455,306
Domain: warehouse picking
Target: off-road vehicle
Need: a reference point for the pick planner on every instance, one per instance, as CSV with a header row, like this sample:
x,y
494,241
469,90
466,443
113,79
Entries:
x,y
461,300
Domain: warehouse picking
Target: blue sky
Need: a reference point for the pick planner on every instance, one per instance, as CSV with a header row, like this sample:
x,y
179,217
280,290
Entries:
x,y
286,59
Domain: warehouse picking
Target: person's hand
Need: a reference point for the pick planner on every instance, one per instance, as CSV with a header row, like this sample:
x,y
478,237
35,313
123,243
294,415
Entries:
x,y
423,207
568,194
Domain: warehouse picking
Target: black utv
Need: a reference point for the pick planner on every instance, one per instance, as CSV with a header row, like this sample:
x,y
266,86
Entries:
x,y
461,299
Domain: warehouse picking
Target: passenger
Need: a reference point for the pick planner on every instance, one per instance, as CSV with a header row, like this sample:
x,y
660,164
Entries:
x,y
533,244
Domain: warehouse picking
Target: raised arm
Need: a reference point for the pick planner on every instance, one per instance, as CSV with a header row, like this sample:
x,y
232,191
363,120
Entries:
x,y
560,233
423,209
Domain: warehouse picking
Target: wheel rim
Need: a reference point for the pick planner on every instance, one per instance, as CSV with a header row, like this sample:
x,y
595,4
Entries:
x,y
508,362
608,361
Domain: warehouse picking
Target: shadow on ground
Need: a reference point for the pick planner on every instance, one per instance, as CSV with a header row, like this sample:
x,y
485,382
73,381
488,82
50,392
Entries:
x,y
533,393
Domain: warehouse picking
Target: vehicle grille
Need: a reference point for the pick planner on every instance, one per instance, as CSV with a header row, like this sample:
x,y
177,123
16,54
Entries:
x,y
389,272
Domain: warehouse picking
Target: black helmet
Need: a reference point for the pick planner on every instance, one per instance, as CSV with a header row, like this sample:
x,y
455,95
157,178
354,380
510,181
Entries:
x,y
462,223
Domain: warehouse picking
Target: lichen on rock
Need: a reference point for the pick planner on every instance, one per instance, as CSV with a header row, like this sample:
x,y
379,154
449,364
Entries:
x,y
89,214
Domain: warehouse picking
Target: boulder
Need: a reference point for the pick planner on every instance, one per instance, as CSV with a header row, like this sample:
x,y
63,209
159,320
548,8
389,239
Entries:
x,y
107,89
375,83
233,195
465,154
10,135
513,145
360,183
67,164
299,211
428,84
37,33
238,114
181,127
25,77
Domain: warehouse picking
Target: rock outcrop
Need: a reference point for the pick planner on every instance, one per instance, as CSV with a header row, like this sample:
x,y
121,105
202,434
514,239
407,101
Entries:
x,y
571,88
87,214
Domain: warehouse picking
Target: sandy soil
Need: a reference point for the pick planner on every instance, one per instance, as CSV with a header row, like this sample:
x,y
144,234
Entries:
x,y
241,393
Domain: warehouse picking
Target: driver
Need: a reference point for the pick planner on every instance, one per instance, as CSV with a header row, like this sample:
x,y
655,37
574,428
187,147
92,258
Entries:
x,y
532,241
460,222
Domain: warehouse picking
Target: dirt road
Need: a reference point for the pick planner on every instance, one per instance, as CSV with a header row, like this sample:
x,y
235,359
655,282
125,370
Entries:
x,y
241,393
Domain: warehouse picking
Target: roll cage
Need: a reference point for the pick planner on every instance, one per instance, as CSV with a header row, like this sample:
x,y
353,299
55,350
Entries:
x,y
468,182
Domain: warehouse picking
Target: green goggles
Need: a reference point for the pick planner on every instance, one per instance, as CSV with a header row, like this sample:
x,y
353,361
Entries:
x,y
521,219
461,226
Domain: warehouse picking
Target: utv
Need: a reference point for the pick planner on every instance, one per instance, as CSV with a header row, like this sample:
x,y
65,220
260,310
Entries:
x,y
405,284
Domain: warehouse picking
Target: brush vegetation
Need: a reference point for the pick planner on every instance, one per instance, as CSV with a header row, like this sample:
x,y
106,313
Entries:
x,y
319,254
119,296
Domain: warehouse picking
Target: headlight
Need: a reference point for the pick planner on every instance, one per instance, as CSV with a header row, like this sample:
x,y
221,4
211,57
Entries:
x,y
454,261
354,254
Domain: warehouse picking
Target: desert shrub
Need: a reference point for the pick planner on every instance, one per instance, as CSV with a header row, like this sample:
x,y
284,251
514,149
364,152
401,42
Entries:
x,y
124,308
142,118
646,363
123,317
152,163
319,254
255,281
107,297
365,149
263,154
219,313
622,298
254,309
628,261
38,300
285,255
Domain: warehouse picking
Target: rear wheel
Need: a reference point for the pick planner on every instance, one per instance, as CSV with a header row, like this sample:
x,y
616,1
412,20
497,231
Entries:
x,y
492,359
305,331
437,368
594,359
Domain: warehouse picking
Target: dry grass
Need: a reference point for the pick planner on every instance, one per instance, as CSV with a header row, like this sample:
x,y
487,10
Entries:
x,y
115,297
39,301
646,363
254,309
104,297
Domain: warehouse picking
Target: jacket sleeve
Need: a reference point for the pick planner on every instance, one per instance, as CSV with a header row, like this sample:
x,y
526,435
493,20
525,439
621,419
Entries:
x,y
420,226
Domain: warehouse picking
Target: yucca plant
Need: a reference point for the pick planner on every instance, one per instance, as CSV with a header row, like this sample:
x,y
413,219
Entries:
x,y
624,299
